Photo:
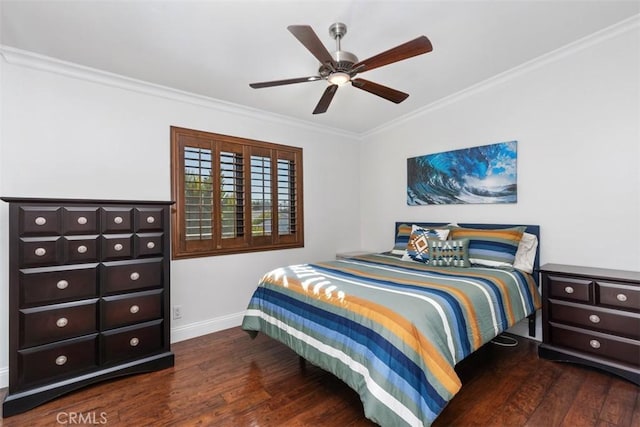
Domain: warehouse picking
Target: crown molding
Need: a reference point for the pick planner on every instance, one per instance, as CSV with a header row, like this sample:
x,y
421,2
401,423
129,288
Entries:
x,y
44,63
622,27
40,62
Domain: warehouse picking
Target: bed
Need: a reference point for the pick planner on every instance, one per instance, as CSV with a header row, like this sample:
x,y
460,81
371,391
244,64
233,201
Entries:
x,y
393,325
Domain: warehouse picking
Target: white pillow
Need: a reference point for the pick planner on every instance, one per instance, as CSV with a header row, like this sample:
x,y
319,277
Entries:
x,y
526,253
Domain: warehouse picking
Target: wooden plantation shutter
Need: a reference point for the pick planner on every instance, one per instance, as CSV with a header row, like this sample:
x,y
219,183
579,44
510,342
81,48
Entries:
x,y
234,194
287,196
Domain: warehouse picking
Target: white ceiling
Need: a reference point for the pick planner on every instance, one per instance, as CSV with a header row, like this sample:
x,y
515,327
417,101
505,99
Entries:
x,y
216,48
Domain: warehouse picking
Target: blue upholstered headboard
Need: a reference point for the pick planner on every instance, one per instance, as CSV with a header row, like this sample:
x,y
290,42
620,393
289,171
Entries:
x,y
531,229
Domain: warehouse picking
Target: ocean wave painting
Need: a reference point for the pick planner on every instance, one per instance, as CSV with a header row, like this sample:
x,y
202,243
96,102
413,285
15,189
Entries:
x,y
485,174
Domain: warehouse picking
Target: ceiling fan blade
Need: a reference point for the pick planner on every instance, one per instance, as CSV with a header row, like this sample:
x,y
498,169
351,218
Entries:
x,y
404,51
310,40
325,100
284,82
380,90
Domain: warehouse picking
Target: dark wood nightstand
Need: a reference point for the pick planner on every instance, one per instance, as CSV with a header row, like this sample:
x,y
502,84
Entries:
x,y
592,316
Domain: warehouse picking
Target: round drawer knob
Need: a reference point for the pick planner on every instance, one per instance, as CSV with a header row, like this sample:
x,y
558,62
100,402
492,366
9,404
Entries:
x,y
135,276
118,247
62,322
594,343
568,290
118,220
621,297
594,318
61,360
134,309
62,284
82,249
151,245
40,220
134,342
82,220
40,252
150,220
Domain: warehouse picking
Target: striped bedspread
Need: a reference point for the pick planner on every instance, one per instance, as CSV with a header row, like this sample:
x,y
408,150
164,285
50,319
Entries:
x,y
392,330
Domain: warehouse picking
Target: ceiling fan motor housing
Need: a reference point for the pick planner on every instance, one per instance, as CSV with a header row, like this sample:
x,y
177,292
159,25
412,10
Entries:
x,y
344,60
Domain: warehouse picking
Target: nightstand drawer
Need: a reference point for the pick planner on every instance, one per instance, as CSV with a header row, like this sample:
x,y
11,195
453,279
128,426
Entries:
x,y
602,345
57,361
46,324
619,296
57,284
600,319
127,309
132,342
131,275
570,288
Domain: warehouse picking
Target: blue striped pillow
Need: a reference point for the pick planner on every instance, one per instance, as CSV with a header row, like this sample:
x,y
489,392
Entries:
x,y
491,247
402,238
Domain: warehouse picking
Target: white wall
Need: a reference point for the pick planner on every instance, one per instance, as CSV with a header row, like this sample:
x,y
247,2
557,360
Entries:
x,y
109,139
576,117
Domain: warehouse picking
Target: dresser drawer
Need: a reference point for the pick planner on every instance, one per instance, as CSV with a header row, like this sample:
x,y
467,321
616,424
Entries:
x,y
619,296
602,345
149,244
601,319
121,310
570,288
117,246
57,361
117,219
40,251
80,249
122,276
80,220
149,219
39,221
57,284
50,323
132,342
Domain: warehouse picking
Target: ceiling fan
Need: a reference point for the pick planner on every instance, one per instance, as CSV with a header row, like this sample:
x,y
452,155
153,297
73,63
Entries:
x,y
344,66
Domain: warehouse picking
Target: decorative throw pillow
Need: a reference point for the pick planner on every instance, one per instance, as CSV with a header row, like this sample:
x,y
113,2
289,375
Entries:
x,y
418,245
449,253
491,247
526,254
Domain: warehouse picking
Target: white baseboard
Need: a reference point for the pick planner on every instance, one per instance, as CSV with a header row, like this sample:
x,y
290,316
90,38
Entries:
x,y
193,330
4,377
179,333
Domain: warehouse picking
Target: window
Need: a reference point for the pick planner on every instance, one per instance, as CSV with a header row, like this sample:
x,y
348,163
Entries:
x,y
233,194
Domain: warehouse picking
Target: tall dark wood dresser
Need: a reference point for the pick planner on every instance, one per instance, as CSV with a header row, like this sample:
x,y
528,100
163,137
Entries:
x,y
88,294
591,316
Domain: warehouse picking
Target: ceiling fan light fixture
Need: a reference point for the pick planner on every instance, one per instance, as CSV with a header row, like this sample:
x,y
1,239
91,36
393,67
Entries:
x,y
338,78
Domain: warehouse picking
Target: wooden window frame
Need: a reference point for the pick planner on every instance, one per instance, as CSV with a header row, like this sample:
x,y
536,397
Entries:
x,y
285,161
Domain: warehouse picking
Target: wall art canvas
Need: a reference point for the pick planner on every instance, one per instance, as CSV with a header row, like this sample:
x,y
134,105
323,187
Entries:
x,y
485,174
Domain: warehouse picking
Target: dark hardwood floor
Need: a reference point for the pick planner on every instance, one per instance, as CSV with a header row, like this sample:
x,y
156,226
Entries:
x,y
227,379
